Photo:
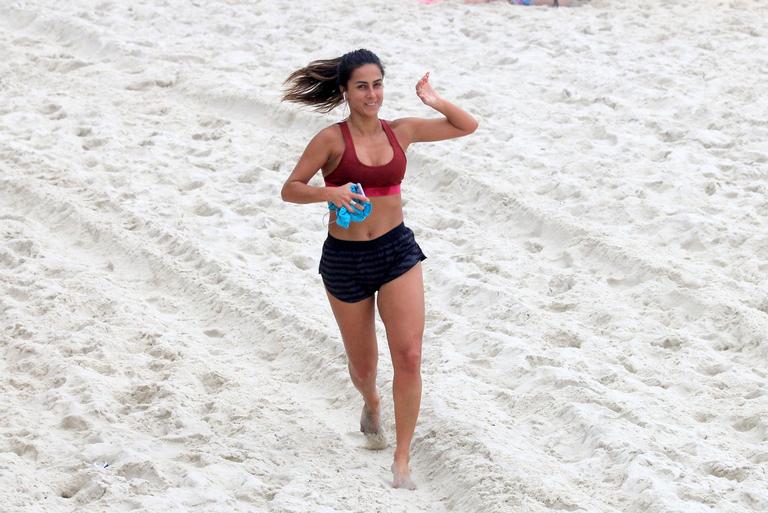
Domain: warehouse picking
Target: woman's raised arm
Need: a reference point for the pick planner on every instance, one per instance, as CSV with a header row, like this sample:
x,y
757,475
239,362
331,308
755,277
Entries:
x,y
456,123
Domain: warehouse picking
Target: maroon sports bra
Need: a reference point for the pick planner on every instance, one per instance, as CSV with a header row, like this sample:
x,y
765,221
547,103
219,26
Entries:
x,y
376,180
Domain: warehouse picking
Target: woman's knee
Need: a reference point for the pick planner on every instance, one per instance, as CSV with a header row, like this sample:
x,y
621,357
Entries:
x,y
408,359
362,371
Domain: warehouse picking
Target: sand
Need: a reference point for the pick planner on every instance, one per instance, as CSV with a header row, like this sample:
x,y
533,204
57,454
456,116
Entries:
x,y
597,302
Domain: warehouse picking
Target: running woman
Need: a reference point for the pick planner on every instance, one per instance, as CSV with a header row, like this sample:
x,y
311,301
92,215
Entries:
x,y
375,262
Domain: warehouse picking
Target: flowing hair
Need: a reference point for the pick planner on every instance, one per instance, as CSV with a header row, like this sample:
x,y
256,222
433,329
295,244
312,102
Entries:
x,y
319,83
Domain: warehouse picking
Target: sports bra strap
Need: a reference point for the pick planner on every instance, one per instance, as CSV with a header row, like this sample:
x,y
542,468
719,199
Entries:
x,y
346,134
392,137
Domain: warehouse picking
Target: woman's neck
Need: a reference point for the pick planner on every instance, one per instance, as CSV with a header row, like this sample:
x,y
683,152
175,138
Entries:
x,y
365,126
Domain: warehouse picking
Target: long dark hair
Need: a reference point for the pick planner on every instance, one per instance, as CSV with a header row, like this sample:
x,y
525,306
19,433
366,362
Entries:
x,y
319,84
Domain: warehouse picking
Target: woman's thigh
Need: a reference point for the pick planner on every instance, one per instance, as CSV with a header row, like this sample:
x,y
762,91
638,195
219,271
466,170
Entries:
x,y
401,307
358,330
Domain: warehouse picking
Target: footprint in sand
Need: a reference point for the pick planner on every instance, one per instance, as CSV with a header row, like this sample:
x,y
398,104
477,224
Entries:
x,y
7,260
23,449
84,488
203,209
303,262
713,370
727,470
21,332
74,423
563,339
214,135
18,294
560,284
53,111
143,470
704,417
214,382
163,304
533,247
542,361
94,143
61,64
753,425
213,122
191,186
560,307
671,343
141,396
251,176
143,85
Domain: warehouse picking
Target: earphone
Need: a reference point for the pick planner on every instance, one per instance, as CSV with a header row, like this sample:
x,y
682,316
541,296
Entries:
x,y
346,104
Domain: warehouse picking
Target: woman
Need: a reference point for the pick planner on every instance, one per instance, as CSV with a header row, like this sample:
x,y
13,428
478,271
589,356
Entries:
x,y
378,254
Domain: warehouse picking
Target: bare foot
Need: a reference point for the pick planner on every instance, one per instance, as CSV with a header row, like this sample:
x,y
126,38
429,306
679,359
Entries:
x,y
370,425
401,477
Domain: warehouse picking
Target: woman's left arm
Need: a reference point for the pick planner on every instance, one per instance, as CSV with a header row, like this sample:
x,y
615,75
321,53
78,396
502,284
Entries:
x,y
456,123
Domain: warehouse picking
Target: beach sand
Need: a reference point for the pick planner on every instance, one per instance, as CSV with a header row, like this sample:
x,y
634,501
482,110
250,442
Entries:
x,y
597,301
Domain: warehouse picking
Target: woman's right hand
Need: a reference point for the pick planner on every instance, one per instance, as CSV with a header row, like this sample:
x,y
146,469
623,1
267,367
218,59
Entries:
x,y
343,196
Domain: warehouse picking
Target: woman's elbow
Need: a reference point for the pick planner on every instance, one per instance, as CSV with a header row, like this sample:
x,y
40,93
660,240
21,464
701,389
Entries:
x,y
473,126
469,128
285,193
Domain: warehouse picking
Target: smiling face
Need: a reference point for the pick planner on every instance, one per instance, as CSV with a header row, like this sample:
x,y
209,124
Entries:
x,y
365,90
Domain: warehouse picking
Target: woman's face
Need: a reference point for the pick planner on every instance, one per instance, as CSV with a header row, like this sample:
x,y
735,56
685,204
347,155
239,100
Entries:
x,y
365,90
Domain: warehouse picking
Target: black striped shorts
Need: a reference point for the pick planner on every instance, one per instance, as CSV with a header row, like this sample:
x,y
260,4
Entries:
x,y
355,270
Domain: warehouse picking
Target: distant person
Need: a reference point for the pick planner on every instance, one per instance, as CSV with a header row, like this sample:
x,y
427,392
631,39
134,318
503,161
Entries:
x,y
375,261
553,3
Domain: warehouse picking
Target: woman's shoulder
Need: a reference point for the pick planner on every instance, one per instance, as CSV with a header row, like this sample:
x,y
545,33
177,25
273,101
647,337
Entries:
x,y
330,133
328,141
403,128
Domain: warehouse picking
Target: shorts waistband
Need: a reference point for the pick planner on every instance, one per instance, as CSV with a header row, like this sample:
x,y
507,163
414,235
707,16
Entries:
x,y
364,245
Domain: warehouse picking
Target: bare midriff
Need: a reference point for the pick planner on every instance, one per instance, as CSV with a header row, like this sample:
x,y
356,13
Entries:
x,y
386,213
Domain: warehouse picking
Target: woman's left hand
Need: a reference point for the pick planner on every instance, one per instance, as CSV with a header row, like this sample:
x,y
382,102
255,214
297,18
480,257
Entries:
x,y
425,92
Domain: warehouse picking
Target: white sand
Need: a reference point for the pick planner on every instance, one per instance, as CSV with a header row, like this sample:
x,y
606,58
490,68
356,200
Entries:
x,y
596,282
